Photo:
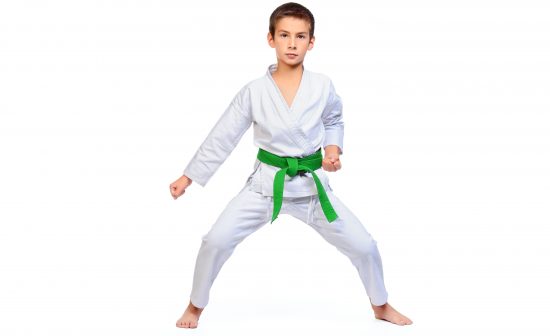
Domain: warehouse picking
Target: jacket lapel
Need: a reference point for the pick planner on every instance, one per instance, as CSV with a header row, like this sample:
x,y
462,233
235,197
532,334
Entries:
x,y
291,114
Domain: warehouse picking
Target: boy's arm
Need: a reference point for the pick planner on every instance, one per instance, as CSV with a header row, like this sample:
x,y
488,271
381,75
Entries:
x,y
222,139
334,124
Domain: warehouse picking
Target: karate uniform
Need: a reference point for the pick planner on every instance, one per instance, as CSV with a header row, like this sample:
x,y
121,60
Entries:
x,y
314,120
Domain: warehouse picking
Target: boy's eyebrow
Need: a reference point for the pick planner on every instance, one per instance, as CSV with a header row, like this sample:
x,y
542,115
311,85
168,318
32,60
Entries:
x,y
284,31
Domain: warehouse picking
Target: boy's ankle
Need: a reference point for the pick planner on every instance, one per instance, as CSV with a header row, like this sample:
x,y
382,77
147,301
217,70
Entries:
x,y
194,307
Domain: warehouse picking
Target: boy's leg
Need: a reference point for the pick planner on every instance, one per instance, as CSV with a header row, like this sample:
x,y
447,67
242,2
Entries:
x,y
244,214
351,238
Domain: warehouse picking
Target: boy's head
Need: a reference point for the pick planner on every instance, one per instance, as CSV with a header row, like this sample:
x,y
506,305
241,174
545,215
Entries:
x,y
291,9
291,28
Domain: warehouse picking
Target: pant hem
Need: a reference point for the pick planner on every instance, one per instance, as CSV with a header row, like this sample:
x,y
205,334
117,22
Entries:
x,y
379,302
198,306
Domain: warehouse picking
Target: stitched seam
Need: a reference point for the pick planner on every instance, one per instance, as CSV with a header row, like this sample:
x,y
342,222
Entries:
x,y
267,212
309,210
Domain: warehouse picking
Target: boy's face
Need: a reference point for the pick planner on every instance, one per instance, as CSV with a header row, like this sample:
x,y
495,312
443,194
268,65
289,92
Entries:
x,y
291,40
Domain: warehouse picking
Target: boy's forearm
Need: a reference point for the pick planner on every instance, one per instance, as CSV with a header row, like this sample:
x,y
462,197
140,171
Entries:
x,y
218,144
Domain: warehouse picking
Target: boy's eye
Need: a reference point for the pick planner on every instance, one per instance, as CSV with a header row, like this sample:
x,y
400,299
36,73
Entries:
x,y
283,35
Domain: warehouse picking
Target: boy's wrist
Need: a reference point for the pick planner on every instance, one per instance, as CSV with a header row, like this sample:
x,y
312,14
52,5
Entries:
x,y
332,150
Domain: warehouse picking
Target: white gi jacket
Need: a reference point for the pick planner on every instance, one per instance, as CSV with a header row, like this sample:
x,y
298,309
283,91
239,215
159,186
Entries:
x,y
313,121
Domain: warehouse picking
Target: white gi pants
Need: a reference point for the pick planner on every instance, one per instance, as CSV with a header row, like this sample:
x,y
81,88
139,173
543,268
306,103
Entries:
x,y
250,210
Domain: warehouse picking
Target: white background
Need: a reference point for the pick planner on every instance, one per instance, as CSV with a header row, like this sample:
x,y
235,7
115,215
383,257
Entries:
x,y
447,164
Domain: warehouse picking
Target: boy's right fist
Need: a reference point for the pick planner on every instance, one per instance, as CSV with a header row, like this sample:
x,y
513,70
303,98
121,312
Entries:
x,y
177,188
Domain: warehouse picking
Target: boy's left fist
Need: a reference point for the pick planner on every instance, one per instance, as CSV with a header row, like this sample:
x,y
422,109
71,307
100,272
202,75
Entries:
x,y
331,164
331,161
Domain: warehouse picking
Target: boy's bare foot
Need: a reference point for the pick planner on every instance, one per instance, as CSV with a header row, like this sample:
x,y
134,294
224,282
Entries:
x,y
190,318
388,313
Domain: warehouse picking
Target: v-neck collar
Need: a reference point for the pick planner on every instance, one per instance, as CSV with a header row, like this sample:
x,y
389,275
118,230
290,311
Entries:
x,y
272,68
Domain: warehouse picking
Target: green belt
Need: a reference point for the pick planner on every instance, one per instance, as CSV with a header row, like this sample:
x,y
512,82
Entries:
x,y
291,166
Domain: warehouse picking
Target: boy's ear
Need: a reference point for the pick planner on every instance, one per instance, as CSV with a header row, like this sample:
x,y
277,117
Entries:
x,y
311,43
270,40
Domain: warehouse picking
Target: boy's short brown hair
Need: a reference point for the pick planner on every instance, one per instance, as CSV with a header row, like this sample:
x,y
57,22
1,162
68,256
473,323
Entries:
x,y
291,9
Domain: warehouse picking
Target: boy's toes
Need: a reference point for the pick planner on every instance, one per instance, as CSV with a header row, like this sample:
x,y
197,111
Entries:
x,y
181,324
405,321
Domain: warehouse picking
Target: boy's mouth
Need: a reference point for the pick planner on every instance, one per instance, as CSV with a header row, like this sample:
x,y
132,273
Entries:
x,y
292,55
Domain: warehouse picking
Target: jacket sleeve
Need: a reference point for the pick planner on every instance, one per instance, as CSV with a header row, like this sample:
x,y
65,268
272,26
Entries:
x,y
222,139
333,120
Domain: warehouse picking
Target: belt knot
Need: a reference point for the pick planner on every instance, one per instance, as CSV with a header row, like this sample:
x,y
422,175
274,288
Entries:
x,y
292,166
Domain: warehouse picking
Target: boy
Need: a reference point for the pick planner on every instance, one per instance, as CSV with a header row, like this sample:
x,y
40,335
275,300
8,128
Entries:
x,y
294,112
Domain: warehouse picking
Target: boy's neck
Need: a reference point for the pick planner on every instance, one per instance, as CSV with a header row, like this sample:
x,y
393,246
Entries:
x,y
288,71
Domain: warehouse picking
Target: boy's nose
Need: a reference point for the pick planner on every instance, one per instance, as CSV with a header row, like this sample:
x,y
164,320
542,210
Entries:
x,y
292,44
